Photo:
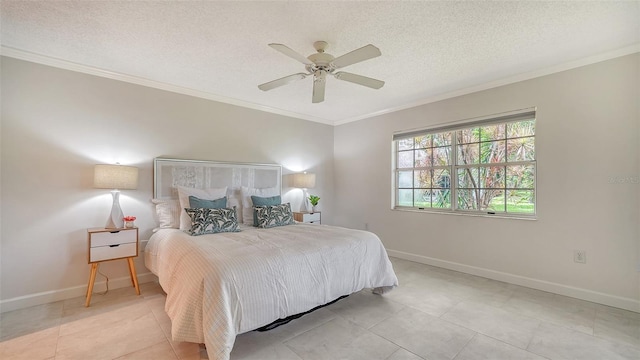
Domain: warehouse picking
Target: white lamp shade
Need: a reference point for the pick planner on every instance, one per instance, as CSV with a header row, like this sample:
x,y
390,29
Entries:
x,y
304,180
115,177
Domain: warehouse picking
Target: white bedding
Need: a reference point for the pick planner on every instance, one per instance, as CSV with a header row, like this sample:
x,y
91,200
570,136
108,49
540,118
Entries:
x,y
221,285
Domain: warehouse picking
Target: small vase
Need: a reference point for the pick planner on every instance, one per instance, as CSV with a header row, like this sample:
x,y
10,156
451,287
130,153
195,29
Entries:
x,y
128,224
313,208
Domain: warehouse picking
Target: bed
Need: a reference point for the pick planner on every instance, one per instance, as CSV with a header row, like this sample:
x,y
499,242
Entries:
x,y
224,284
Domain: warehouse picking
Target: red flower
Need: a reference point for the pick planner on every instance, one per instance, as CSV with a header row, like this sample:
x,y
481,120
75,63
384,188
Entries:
x,y
129,218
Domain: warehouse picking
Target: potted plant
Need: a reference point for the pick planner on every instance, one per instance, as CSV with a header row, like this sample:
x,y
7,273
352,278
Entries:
x,y
314,201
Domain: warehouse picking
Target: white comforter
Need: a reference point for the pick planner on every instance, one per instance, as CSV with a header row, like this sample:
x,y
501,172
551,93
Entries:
x,y
221,285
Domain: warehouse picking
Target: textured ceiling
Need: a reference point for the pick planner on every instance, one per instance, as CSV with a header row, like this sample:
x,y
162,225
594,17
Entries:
x,y
220,48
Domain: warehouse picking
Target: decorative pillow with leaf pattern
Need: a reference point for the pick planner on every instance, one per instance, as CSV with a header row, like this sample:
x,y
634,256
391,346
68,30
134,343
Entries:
x,y
274,215
211,221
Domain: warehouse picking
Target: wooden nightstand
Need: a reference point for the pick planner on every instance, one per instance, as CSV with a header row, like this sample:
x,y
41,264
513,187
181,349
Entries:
x,y
307,217
111,244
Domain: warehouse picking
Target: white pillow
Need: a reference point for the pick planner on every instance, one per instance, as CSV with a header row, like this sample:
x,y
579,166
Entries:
x,y
234,201
205,194
247,204
168,213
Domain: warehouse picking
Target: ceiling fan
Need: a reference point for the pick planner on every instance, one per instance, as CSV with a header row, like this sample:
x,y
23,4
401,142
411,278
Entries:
x,y
322,64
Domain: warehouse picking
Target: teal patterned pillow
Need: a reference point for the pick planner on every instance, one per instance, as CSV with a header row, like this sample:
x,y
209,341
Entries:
x,y
211,221
274,215
263,201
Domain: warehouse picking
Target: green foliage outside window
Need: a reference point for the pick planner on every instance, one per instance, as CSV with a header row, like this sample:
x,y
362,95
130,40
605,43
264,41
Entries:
x,y
493,169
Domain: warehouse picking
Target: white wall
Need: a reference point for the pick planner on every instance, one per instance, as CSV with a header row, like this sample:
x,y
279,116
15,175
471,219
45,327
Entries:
x,y
57,124
587,133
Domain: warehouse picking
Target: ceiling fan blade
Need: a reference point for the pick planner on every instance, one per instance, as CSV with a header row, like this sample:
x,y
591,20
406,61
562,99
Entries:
x,y
319,83
282,81
359,79
356,56
290,53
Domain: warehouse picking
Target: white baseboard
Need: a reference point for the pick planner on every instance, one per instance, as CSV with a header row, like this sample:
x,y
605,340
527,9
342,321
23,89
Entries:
x,y
579,293
22,302
45,297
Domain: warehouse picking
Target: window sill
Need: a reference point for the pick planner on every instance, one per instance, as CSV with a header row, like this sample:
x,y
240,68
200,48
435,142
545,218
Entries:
x,y
462,213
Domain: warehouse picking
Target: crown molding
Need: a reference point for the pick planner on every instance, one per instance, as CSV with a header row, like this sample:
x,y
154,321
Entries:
x,y
85,69
68,65
628,50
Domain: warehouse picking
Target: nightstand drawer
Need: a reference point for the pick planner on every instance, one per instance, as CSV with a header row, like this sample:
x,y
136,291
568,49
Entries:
x,y
309,218
107,238
113,252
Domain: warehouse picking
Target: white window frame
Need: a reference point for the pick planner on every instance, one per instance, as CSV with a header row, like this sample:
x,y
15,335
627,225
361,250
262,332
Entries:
x,y
520,115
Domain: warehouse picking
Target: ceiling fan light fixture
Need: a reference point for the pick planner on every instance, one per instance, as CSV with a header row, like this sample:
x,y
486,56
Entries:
x,y
320,64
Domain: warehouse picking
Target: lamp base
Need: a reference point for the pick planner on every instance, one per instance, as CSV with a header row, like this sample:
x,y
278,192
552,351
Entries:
x,y
115,220
306,205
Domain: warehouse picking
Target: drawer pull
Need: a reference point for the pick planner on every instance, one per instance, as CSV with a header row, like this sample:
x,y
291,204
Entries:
x,y
116,245
114,232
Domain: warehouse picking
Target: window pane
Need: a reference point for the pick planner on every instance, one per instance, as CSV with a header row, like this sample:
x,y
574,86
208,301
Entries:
x,y
405,197
496,201
521,128
492,177
492,132
405,144
442,139
492,152
441,156
422,198
521,149
405,179
442,179
485,196
520,201
468,178
467,136
520,176
423,141
405,159
441,198
423,179
467,199
423,158
468,154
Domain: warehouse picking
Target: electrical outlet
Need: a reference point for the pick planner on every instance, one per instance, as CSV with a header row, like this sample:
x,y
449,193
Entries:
x,y
580,256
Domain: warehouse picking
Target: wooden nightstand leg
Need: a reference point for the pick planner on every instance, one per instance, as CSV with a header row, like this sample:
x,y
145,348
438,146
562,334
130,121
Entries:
x,y
131,276
134,277
92,279
86,294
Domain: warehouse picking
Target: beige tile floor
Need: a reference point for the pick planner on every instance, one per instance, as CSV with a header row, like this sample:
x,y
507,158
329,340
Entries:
x,y
434,314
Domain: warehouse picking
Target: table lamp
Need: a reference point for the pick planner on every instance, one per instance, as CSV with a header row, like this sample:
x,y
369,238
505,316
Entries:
x,y
116,177
304,181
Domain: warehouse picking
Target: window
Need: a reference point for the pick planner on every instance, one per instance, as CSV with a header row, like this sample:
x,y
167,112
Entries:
x,y
486,167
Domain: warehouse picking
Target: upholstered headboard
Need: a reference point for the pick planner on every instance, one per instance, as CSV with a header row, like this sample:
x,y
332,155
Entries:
x,y
169,173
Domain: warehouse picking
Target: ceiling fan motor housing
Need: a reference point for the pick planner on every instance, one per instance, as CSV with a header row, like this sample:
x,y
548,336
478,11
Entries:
x,y
321,59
